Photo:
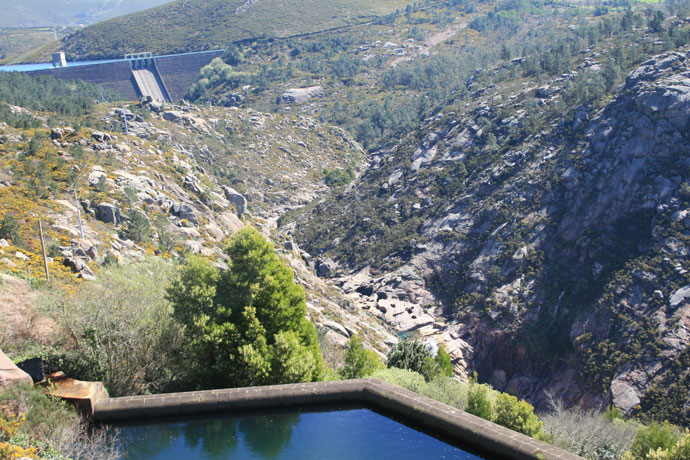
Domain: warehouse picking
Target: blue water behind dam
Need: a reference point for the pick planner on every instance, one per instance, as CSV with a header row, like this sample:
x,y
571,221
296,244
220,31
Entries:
x,y
49,65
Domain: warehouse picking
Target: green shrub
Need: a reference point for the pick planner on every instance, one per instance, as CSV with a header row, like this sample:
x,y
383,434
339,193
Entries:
x,y
44,415
9,230
613,413
478,400
518,415
110,260
681,451
448,391
339,177
405,378
359,362
137,228
651,438
412,355
444,363
123,330
54,428
102,184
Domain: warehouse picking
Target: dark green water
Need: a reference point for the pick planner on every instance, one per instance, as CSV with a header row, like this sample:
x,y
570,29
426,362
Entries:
x,y
351,434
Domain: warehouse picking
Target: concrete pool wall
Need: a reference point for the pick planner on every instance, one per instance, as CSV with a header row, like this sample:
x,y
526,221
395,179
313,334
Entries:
x,y
454,424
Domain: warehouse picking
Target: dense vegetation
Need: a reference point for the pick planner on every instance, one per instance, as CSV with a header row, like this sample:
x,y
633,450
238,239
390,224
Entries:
x,y
47,94
377,101
151,328
588,89
33,425
534,93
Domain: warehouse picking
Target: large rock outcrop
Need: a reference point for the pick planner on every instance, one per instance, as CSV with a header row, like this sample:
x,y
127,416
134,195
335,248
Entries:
x,y
11,375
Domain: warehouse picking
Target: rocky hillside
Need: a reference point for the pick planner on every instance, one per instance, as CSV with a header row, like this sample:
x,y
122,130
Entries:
x,y
542,241
171,181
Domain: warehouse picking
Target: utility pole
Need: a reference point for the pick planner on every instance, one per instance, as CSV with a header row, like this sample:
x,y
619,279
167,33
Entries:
x,y
76,203
124,118
43,249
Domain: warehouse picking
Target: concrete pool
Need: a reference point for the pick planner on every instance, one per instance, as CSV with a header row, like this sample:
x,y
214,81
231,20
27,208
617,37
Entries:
x,y
448,423
346,433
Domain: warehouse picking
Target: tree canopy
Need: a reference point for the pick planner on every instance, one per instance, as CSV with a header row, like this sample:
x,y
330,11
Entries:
x,y
416,356
247,324
359,362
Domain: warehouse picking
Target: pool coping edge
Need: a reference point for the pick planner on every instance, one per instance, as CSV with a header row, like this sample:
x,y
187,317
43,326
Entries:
x,y
453,423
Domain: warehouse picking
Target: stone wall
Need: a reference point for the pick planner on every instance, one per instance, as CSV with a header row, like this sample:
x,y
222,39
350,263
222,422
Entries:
x,y
116,76
179,72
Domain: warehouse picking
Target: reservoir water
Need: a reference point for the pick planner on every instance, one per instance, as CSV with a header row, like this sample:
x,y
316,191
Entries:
x,y
49,65
350,434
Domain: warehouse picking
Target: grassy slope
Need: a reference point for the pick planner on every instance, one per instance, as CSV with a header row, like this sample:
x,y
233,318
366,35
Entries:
x,y
192,25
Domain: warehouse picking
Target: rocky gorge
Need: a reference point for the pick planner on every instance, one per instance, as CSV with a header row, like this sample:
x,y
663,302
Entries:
x,y
554,266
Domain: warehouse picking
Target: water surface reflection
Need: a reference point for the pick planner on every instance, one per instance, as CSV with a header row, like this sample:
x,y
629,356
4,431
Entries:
x,y
350,434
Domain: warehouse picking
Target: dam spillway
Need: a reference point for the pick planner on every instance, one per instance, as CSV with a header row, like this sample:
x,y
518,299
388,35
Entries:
x,y
163,78
148,85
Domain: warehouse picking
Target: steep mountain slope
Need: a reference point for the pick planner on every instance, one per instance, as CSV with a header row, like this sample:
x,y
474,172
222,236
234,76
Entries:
x,y
34,13
150,192
195,25
553,259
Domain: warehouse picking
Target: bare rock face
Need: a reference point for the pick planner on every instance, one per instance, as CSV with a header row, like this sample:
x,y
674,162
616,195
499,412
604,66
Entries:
x,y
561,266
172,115
235,198
325,268
11,375
299,95
108,213
59,133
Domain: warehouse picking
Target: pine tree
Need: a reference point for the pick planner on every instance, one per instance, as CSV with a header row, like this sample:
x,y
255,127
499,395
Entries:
x,y
359,362
247,325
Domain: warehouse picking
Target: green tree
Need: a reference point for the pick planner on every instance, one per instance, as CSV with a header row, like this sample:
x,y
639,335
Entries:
x,y
443,362
478,402
248,325
415,356
656,22
138,228
656,436
518,415
359,362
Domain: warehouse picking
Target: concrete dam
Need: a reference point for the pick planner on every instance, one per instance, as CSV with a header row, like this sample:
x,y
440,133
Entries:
x,y
162,78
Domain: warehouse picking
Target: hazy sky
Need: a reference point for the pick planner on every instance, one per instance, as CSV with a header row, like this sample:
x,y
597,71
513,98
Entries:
x,y
33,13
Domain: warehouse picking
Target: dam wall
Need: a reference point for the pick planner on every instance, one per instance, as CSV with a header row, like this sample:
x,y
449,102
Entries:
x,y
116,76
173,74
180,71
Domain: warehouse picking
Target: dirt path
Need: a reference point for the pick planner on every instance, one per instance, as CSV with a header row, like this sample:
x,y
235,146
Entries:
x,y
432,41
20,319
